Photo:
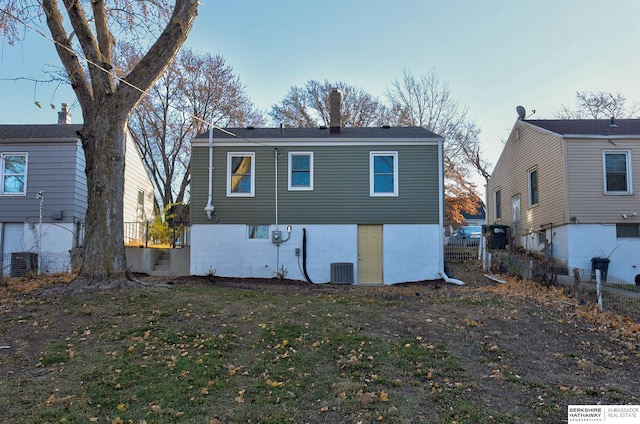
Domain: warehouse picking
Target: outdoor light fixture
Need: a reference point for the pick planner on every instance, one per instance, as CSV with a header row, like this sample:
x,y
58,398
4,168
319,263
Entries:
x,y
629,215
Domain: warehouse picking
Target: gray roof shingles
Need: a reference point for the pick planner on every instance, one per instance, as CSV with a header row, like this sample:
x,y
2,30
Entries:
x,y
321,132
601,127
34,131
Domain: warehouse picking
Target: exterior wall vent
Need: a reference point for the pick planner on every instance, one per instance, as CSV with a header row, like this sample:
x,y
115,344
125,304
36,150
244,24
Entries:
x,y
342,273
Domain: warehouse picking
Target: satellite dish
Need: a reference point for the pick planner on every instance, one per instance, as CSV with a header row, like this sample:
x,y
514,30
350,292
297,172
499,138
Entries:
x,y
521,112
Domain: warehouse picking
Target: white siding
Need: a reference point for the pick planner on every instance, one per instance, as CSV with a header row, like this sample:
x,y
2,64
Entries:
x,y
586,241
410,252
136,178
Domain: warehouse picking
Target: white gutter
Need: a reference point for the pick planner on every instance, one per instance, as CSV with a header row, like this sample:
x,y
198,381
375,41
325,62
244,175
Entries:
x,y
209,208
441,272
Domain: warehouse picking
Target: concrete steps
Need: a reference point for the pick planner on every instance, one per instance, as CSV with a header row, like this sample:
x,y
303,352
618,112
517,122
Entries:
x,y
162,267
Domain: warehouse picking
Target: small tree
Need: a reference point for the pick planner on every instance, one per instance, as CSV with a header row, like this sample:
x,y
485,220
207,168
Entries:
x,y
427,102
599,105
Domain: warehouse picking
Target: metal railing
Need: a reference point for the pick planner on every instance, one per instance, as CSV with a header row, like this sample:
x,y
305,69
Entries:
x,y
139,234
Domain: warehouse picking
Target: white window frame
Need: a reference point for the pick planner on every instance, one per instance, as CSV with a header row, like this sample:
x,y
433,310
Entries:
x,y
372,192
530,188
230,157
629,178
497,212
2,172
290,172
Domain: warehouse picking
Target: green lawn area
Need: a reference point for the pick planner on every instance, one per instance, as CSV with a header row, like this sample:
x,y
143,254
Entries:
x,y
219,354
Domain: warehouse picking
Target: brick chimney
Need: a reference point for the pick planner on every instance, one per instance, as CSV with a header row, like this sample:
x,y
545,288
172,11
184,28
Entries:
x,y
335,104
64,116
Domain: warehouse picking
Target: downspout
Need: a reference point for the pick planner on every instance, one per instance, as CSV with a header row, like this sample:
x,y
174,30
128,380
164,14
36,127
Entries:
x,y
441,272
209,208
276,183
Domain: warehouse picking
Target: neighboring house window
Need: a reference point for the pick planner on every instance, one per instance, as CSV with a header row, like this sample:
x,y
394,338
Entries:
x,y
240,174
140,208
627,230
300,171
497,205
258,231
14,174
533,187
617,172
383,177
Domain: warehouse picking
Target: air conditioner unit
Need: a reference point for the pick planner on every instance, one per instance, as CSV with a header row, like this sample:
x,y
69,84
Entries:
x,y
23,263
342,273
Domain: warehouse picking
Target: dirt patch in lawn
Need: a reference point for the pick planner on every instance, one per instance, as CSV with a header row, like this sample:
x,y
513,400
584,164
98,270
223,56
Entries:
x,y
512,352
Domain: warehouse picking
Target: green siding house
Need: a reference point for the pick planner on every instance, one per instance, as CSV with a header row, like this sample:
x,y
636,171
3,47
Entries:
x,y
342,205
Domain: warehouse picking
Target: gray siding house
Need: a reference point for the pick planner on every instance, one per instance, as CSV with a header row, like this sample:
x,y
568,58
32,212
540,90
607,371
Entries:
x,y
570,188
43,193
356,205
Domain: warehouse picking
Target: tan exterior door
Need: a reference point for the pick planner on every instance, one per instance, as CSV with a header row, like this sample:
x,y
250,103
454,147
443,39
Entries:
x,y
370,254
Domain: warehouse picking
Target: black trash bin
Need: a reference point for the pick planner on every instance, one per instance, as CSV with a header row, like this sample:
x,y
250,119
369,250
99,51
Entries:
x,y
497,236
603,265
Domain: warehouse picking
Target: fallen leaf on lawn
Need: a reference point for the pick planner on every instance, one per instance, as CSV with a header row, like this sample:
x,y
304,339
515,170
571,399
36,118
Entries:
x,y
121,407
367,397
473,322
324,409
384,396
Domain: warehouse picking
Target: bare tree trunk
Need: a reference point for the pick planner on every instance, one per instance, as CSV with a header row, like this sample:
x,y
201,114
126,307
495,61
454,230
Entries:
x,y
104,264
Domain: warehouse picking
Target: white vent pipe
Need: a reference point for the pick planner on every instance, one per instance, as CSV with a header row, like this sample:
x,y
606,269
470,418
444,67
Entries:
x,y
209,208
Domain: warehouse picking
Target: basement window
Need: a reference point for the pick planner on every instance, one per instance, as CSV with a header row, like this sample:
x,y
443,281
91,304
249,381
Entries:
x,y
627,230
260,232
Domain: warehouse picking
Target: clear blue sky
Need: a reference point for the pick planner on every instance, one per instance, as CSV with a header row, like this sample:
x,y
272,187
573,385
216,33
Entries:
x,y
494,54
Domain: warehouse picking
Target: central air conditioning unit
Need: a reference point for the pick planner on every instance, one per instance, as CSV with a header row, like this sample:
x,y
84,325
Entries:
x,y
23,264
342,273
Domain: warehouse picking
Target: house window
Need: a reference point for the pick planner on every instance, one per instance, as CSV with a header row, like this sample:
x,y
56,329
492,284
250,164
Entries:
x,y
141,198
240,174
300,171
497,205
617,172
383,174
533,187
627,230
258,232
14,174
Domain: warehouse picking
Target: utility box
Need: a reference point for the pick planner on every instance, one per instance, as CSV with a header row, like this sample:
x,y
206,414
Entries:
x,y
603,265
23,264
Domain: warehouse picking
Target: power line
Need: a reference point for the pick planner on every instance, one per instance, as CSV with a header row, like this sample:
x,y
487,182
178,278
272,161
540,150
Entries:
x,y
119,79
